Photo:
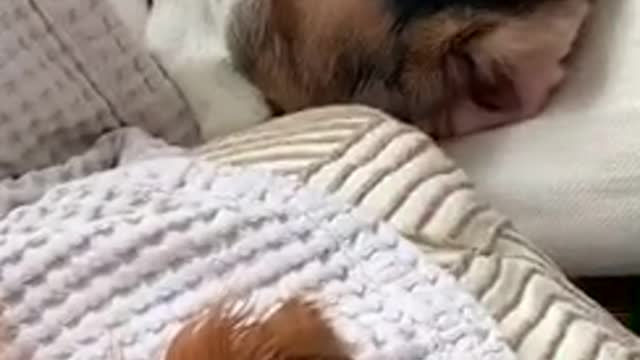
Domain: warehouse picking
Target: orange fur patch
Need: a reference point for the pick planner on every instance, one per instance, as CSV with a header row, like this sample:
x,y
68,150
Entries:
x,y
296,330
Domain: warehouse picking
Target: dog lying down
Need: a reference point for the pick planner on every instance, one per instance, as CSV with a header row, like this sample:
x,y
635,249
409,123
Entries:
x,y
451,67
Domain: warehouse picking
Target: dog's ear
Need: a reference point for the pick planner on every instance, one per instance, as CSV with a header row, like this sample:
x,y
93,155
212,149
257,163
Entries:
x,y
487,80
507,67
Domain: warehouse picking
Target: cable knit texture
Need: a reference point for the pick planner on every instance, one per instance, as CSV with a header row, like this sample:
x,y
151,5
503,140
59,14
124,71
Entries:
x,y
115,262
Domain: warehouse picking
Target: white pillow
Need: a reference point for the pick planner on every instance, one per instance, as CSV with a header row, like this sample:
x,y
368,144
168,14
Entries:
x,y
570,179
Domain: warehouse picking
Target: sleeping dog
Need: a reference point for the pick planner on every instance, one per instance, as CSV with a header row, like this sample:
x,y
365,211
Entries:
x,y
450,67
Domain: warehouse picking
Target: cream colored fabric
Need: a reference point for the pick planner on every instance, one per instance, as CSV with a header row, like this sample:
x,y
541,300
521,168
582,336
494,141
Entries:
x,y
570,179
397,174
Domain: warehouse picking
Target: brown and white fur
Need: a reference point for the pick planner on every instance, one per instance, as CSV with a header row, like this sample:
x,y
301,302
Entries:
x,y
453,68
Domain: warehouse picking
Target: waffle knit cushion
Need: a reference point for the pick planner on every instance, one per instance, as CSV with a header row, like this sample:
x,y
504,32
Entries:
x,y
70,71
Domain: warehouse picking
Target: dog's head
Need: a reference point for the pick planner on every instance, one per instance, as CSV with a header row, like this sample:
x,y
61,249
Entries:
x,y
448,66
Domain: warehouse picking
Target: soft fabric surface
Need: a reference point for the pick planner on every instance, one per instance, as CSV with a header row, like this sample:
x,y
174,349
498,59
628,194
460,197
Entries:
x,y
69,72
396,173
570,179
83,268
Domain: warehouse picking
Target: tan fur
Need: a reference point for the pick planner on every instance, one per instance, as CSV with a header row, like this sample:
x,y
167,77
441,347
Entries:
x,y
520,62
432,74
310,39
296,330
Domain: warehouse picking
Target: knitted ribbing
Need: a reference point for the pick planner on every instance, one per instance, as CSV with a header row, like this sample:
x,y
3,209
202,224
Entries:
x,y
112,265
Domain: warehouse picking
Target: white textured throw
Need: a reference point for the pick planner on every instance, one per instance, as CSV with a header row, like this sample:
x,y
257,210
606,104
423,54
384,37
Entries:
x,y
112,264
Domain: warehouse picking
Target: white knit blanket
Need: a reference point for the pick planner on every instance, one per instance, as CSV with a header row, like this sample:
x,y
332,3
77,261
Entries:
x,y
108,266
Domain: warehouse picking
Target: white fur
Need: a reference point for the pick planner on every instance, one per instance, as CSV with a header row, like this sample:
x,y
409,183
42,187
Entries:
x,y
188,37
